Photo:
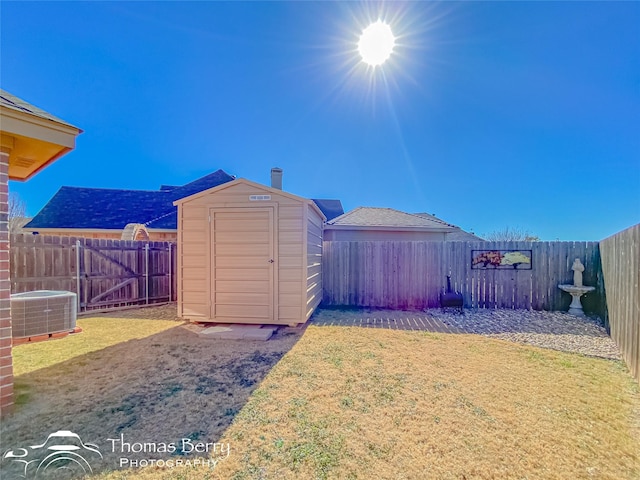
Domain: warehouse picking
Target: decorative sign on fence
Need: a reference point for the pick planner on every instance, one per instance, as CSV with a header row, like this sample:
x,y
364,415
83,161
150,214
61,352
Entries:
x,y
501,259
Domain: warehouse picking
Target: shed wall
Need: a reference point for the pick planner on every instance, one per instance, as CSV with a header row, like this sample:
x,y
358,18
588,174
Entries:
x,y
291,220
193,237
313,282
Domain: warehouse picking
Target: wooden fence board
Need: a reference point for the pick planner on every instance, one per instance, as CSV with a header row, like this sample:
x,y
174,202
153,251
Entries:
x,y
112,272
620,257
411,275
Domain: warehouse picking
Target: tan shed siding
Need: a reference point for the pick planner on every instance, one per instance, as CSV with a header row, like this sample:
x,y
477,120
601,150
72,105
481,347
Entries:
x,y
193,295
222,281
290,236
180,263
314,261
239,194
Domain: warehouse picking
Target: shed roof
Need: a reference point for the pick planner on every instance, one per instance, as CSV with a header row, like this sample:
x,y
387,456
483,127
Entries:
x,y
266,189
102,208
387,217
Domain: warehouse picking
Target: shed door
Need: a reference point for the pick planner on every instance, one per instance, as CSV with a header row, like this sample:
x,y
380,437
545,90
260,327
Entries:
x,y
243,264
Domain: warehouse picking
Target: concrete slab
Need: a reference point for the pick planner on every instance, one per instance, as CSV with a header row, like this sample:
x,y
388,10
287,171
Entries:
x,y
238,332
260,334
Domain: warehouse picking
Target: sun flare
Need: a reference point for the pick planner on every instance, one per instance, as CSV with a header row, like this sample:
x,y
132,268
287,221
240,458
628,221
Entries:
x,y
376,43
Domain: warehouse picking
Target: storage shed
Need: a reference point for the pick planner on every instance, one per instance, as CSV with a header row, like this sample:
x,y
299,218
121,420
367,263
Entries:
x,y
248,253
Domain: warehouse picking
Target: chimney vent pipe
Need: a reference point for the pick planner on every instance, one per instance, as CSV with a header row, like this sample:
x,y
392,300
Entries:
x,y
276,178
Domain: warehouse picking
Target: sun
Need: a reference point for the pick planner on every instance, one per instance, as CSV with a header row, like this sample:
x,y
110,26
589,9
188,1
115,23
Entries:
x,y
376,43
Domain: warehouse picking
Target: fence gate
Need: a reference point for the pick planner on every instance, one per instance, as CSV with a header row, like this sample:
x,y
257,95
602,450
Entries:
x,y
104,273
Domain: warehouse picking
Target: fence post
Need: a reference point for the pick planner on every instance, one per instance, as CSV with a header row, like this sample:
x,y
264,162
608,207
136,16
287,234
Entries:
x,y
79,298
170,274
146,272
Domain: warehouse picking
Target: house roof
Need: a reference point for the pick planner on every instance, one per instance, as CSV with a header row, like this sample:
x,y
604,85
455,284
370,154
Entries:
x,y
113,209
330,208
101,208
434,218
459,235
11,101
387,217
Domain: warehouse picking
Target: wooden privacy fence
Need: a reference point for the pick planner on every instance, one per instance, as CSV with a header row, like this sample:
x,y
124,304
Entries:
x,y
411,275
621,270
104,273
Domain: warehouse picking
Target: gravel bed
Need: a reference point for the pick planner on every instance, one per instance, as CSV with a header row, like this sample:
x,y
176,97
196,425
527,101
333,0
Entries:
x,y
555,330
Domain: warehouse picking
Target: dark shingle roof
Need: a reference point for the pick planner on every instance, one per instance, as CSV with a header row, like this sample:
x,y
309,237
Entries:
x,y
73,207
101,208
330,208
208,181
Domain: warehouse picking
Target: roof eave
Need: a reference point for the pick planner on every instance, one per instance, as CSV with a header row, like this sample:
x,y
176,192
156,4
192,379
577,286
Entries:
x,y
34,139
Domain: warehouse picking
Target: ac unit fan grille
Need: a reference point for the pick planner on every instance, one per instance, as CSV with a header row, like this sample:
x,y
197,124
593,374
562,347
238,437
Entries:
x,y
42,312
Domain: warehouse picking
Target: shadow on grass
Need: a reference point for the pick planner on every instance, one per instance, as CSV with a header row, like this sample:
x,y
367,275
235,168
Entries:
x,y
159,390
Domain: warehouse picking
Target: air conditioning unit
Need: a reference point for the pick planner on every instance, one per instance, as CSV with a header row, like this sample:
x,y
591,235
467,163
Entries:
x,y
42,312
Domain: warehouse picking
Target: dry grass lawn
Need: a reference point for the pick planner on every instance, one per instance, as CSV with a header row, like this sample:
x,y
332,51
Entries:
x,y
344,402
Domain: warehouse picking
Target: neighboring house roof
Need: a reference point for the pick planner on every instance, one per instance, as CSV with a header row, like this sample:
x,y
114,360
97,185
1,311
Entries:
x,y
434,218
330,208
457,235
101,208
208,181
11,101
112,209
387,217
73,207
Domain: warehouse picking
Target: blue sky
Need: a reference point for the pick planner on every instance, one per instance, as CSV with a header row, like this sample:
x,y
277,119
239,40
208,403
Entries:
x,y
488,114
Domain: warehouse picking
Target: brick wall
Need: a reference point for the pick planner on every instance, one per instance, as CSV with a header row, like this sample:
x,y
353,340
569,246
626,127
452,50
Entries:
x,y
6,363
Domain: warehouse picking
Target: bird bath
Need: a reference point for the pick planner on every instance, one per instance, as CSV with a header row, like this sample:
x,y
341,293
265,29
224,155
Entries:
x,y
577,289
